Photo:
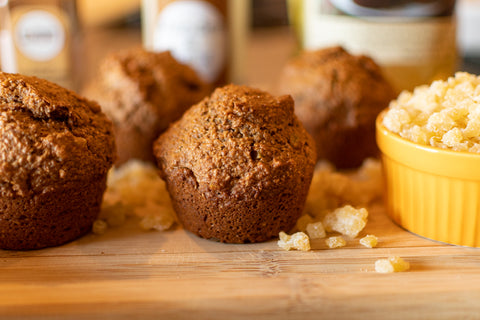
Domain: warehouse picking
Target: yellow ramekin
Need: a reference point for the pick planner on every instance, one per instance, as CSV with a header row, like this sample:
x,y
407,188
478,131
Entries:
x,y
432,192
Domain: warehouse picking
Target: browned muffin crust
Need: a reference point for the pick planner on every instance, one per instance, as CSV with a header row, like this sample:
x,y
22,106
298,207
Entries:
x,y
337,98
237,165
142,92
55,149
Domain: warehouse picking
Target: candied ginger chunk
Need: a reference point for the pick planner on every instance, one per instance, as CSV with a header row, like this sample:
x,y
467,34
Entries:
x,y
397,117
99,227
391,264
416,134
157,222
346,220
473,124
331,189
445,114
335,242
369,241
316,230
453,137
297,241
135,189
303,222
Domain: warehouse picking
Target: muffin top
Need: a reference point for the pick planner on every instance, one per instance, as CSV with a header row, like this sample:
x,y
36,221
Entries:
x,y
147,90
49,135
332,85
237,142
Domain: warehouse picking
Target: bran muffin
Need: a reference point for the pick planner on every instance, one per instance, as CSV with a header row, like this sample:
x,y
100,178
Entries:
x,y
337,98
142,92
237,165
55,149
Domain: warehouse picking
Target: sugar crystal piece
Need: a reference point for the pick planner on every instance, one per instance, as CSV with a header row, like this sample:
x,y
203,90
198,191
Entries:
x,y
99,226
369,241
391,264
445,114
297,241
335,242
331,189
315,230
346,220
303,221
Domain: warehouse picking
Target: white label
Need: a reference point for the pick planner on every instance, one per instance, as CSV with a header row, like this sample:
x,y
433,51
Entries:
x,y
194,32
39,35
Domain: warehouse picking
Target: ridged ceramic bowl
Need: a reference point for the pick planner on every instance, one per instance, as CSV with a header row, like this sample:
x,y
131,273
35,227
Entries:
x,y
432,192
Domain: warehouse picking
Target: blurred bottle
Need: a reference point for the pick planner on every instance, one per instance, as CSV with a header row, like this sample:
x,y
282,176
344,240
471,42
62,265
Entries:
x,y
40,38
468,13
209,35
413,40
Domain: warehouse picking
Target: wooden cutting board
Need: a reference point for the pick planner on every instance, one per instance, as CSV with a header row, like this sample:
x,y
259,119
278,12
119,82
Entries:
x,y
130,273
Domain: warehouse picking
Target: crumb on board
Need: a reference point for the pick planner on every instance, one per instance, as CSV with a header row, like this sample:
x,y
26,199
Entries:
x,y
296,241
391,264
346,220
369,241
335,242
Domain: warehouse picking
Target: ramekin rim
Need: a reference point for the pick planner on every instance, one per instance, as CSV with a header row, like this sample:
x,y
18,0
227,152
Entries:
x,y
412,144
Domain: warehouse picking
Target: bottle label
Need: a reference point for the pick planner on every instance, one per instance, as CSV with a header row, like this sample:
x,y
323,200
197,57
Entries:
x,y
414,49
39,35
194,31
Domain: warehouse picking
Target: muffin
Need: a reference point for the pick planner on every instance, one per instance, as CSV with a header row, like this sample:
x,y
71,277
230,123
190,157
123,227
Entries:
x,y
142,92
56,149
237,165
337,98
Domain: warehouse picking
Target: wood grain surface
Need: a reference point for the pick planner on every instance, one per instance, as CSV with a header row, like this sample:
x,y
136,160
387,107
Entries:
x,y
128,272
